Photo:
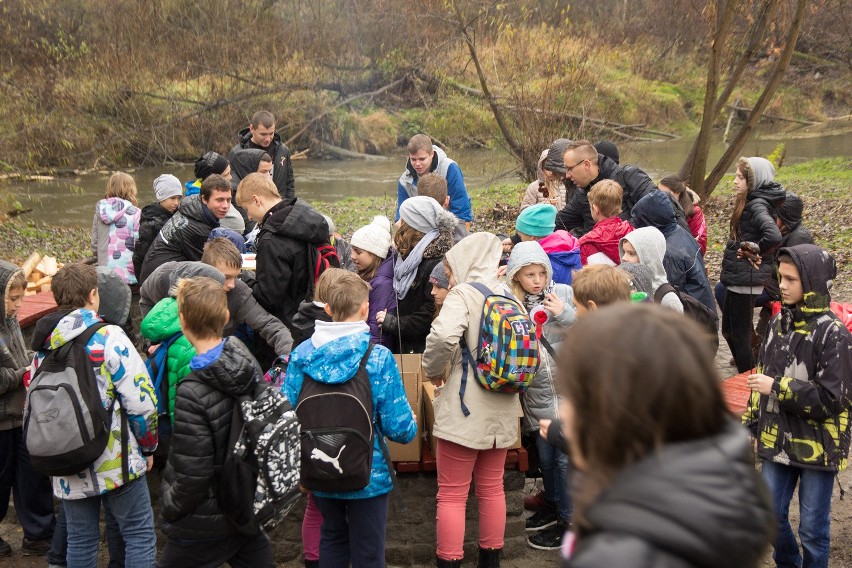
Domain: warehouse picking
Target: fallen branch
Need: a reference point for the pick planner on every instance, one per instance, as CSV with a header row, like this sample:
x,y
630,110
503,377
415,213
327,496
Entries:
x,y
344,153
738,109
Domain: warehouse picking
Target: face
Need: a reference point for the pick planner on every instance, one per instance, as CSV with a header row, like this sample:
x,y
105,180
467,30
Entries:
x,y
629,255
262,135
170,204
227,173
790,284
14,299
532,278
578,170
439,294
231,274
450,278
740,183
421,161
264,168
219,203
361,258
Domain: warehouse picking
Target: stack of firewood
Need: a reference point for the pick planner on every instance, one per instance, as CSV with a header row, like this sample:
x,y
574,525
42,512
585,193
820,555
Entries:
x,y
39,271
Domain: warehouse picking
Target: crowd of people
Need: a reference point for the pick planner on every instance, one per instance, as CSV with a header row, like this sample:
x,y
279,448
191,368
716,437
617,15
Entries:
x,y
641,462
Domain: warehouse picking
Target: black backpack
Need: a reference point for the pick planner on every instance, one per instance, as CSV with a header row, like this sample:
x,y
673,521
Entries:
x,y
695,310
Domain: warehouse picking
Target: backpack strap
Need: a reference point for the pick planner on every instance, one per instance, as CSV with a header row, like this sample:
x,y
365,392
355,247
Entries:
x,y
467,356
543,340
662,291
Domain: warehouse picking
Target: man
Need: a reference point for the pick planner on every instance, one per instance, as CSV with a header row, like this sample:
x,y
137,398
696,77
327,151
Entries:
x,y
261,135
423,158
183,236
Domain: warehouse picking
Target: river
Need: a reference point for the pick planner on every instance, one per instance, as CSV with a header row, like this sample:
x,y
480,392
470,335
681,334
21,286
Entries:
x,y
70,201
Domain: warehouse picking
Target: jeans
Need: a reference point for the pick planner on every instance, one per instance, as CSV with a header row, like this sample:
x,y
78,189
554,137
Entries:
x,y
353,530
815,488
554,473
130,504
737,328
237,551
59,546
31,491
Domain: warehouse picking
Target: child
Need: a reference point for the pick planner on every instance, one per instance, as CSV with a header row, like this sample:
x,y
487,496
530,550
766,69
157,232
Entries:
x,y
198,531
124,387
373,258
435,186
476,444
32,493
550,186
800,404
600,245
530,274
208,164
440,286
353,528
304,322
666,476
115,227
597,286
538,223
168,192
647,246
688,201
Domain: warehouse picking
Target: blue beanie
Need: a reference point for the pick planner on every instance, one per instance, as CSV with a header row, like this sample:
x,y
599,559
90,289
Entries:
x,y
231,235
537,220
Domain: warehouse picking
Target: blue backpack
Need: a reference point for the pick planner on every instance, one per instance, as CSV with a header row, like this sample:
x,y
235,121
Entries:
x,y
157,365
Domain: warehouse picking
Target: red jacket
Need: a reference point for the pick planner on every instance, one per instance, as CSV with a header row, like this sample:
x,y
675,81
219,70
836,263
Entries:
x,y
698,228
604,238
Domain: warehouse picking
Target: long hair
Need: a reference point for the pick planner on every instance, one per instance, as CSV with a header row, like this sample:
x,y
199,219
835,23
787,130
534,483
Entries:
x,y
740,201
406,238
121,185
676,185
369,272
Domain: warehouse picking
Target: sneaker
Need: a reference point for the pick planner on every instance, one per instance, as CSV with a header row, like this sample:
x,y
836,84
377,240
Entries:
x,y
5,549
535,502
35,547
550,538
542,519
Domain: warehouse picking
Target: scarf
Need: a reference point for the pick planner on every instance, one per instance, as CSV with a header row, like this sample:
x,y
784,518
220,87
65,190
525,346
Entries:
x,y
405,271
533,300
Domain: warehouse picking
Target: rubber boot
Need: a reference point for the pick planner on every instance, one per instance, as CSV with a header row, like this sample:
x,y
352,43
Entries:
x,y
490,557
448,563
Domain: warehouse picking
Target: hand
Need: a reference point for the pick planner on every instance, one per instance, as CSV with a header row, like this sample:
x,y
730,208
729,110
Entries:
x,y
553,304
507,245
149,463
380,316
543,427
760,383
501,271
437,381
153,348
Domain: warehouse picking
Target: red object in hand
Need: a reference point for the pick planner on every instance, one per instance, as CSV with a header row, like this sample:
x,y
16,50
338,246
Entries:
x,y
540,317
26,379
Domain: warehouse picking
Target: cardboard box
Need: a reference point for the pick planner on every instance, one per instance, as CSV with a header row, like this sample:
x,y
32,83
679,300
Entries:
x,y
410,370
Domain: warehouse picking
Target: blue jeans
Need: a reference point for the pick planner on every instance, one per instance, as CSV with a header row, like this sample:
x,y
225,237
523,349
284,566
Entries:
x,y
59,546
130,505
815,488
353,530
554,473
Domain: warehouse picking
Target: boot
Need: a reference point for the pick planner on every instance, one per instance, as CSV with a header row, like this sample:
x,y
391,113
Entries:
x,y
311,563
490,557
448,563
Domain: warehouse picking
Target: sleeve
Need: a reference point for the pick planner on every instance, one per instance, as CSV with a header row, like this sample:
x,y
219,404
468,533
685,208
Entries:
x,y
698,227
94,236
770,234
556,436
393,413
291,180
576,217
192,243
447,329
638,185
530,196
554,328
672,302
751,417
382,298
401,195
10,379
459,198
412,324
143,243
269,287
268,326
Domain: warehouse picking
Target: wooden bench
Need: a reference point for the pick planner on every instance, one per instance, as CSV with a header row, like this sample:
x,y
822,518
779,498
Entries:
x,y
35,307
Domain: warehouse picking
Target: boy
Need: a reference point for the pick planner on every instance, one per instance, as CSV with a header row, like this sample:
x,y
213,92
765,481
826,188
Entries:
x,y
332,356
261,133
800,404
168,192
32,493
538,223
198,531
599,285
124,387
600,245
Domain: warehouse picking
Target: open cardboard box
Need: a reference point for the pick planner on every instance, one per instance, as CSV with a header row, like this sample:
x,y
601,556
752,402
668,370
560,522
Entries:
x,y
410,370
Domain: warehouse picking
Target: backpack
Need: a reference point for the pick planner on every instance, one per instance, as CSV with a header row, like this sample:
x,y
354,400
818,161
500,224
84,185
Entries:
x,y
320,258
507,358
695,310
157,367
66,427
337,445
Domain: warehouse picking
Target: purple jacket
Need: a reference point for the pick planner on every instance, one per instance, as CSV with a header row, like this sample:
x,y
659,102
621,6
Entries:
x,y
382,297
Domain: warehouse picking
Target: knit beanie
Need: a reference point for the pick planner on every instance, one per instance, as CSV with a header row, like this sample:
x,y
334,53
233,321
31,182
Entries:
x,y
439,276
166,186
210,163
537,220
554,162
421,213
374,238
524,254
608,149
331,227
640,276
231,235
762,172
791,210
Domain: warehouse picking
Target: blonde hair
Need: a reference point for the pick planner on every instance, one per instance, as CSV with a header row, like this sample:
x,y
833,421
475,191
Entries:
x,y
204,306
256,184
121,185
344,292
606,195
221,251
601,284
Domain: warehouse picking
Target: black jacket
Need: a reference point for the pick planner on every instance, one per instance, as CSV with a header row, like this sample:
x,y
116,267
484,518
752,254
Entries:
x,y
694,504
153,219
757,225
182,237
204,406
282,167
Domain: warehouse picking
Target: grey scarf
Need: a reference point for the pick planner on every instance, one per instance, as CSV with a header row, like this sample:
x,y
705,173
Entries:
x,y
405,271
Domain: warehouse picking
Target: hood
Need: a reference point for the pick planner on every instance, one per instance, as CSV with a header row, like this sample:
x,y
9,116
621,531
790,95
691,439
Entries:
x,y
245,161
641,278
153,212
244,137
234,373
115,296
191,269
655,210
475,258
334,362
790,212
7,271
650,245
298,221
57,329
559,241
539,170
162,321
817,270
112,209
524,254
773,192
762,170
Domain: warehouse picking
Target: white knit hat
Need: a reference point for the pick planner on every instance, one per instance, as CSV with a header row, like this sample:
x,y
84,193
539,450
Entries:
x,y
374,238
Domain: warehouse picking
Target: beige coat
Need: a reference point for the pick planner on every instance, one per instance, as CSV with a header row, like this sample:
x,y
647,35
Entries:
x,y
493,419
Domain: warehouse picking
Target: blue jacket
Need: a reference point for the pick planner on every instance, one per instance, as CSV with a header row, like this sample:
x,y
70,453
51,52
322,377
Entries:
x,y
447,168
336,362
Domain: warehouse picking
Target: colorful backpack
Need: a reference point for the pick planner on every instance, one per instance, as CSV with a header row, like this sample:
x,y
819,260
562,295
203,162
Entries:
x,y
507,356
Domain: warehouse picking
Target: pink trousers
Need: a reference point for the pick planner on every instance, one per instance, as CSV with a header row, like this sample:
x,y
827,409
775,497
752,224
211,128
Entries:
x,y
311,525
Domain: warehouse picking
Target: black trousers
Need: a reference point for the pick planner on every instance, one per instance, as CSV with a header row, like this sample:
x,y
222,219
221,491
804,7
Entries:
x,y
31,490
238,552
737,328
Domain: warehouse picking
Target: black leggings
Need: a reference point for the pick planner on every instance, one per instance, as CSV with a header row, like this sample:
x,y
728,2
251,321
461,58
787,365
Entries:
x,y
737,328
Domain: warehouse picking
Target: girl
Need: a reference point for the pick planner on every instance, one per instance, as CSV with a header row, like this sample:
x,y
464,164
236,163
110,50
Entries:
x,y
667,478
373,259
115,227
440,286
531,277
473,445
745,275
688,201
550,186
647,246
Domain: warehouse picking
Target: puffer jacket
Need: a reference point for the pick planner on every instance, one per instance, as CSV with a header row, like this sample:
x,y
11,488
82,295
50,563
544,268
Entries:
x,y
603,240
563,250
382,298
14,357
449,170
757,225
282,165
691,504
492,422
115,229
203,412
535,191
804,421
335,359
154,216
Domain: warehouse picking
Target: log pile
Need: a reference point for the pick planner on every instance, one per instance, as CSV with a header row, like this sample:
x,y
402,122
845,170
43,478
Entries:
x,y
39,271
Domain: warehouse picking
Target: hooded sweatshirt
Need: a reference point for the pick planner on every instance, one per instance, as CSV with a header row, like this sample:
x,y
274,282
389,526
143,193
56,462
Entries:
x,y
804,421
449,170
162,281
650,246
14,357
115,229
535,192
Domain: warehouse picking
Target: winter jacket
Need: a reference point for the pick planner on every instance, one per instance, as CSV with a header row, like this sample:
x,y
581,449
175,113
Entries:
x,y
563,250
335,360
757,225
492,422
162,281
535,191
601,243
203,411
697,503
120,374
282,166
153,218
697,223
182,237
683,261
115,229
382,298
804,421
14,357
650,246
449,170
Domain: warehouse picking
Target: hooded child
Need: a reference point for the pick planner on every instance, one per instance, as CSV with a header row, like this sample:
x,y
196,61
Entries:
x,y
115,227
647,246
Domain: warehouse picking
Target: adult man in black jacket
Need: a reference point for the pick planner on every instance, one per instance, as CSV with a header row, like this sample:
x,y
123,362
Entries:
x,y
261,134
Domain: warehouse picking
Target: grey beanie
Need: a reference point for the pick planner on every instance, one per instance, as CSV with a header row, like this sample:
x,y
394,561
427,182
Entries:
x,y
554,161
115,296
524,254
191,269
421,213
641,279
439,276
166,186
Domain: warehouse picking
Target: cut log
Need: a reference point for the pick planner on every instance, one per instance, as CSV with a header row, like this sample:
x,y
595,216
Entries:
x,y
30,263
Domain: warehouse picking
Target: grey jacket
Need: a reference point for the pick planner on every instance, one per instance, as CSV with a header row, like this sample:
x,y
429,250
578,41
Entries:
x,y
14,358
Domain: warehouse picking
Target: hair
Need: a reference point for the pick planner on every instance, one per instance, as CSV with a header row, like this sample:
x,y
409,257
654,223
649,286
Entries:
x,y
606,195
264,118
612,365
584,149
369,272
121,185
419,142
406,238
221,251
741,199
601,284
213,182
677,186
265,157
72,285
344,292
434,186
321,288
787,259
256,184
204,306
18,280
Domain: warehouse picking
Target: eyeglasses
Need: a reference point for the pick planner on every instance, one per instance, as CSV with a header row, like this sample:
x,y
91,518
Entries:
x,y
575,165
